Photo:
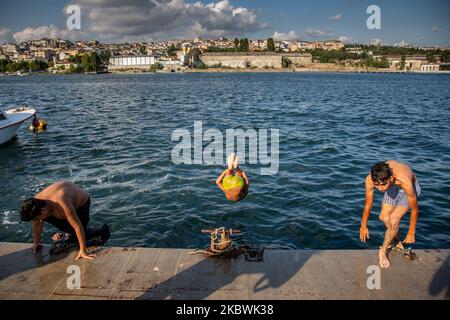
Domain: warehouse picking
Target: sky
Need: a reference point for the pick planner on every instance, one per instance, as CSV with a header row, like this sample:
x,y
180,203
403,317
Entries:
x,y
413,22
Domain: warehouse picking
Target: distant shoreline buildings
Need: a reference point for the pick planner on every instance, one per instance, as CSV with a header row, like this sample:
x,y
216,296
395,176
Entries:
x,y
175,55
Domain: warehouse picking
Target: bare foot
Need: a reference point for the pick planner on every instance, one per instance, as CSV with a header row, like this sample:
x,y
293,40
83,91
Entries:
x,y
236,162
384,261
59,235
230,160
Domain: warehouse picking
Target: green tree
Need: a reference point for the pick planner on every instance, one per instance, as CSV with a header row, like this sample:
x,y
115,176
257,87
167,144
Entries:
x,y
285,62
219,49
270,44
371,62
236,44
142,50
3,64
85,63
402,63
34,65
444,56
75,59
201,65
431,58
104,56
11,67
94,61
156,66
75,68
384,63
23,65
172,51
246,45
241,44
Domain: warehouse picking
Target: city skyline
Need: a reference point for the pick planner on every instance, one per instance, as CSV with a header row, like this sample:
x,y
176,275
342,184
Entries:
x,y
416,23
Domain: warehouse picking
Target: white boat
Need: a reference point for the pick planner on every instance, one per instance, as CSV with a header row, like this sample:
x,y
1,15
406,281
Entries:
x,y
11,120
23,73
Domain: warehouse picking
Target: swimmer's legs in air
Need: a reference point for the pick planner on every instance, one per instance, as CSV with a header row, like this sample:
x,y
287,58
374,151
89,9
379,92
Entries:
x,y
237,170
233,181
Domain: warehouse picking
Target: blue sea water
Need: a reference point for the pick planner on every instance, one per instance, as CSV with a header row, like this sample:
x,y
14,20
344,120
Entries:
x,y
111,134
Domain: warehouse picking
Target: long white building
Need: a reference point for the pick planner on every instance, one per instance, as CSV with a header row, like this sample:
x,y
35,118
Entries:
x,y
131,62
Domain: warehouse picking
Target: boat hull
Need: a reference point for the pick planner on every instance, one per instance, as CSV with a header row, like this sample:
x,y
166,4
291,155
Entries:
x,y
9,132
12,120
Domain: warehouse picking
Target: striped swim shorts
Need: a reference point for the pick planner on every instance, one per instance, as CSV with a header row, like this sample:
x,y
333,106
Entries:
x,y
395,196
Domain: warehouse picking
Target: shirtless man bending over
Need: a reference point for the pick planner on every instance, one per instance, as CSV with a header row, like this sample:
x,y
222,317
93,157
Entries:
x,y
400,187
65,206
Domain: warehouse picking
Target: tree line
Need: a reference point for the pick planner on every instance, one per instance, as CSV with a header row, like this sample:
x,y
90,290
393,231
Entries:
x,y
444,55
242,45
89,62
12,67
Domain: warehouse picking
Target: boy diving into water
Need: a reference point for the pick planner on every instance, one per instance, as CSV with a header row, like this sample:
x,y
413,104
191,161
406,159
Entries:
x,y
401,189
65,206
233,184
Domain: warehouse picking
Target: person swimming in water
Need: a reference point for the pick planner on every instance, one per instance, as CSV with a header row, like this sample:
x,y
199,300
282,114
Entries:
x,y
38,125
233,181
36,121
401,188
65,206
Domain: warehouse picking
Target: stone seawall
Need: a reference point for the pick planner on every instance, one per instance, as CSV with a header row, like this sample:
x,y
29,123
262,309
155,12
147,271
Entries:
x,y
253,60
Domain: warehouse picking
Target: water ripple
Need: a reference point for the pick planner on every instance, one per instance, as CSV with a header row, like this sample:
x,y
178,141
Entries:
x,y
111,135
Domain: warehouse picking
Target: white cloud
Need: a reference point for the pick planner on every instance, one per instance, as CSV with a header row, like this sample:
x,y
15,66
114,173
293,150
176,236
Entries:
x,y
316,33
435,29
114,19
5,34
291,35
50,31
376,42
401,44
336,17
345,39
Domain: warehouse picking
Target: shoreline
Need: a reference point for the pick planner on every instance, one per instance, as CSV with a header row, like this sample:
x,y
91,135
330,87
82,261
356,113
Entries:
x,y
216,70
233,70
308,70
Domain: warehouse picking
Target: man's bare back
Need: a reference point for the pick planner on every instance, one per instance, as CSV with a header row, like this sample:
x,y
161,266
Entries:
x,y
64,205
64,192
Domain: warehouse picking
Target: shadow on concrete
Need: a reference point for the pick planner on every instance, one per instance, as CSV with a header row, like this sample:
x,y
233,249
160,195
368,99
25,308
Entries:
x,y
212,274
24,260
441,279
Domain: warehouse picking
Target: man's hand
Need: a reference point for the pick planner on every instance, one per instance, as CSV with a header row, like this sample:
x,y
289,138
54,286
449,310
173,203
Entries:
x,y
410,238
36,247
364,233
83,254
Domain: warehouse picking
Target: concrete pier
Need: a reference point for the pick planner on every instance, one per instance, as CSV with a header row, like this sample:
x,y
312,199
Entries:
x,y
149,273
